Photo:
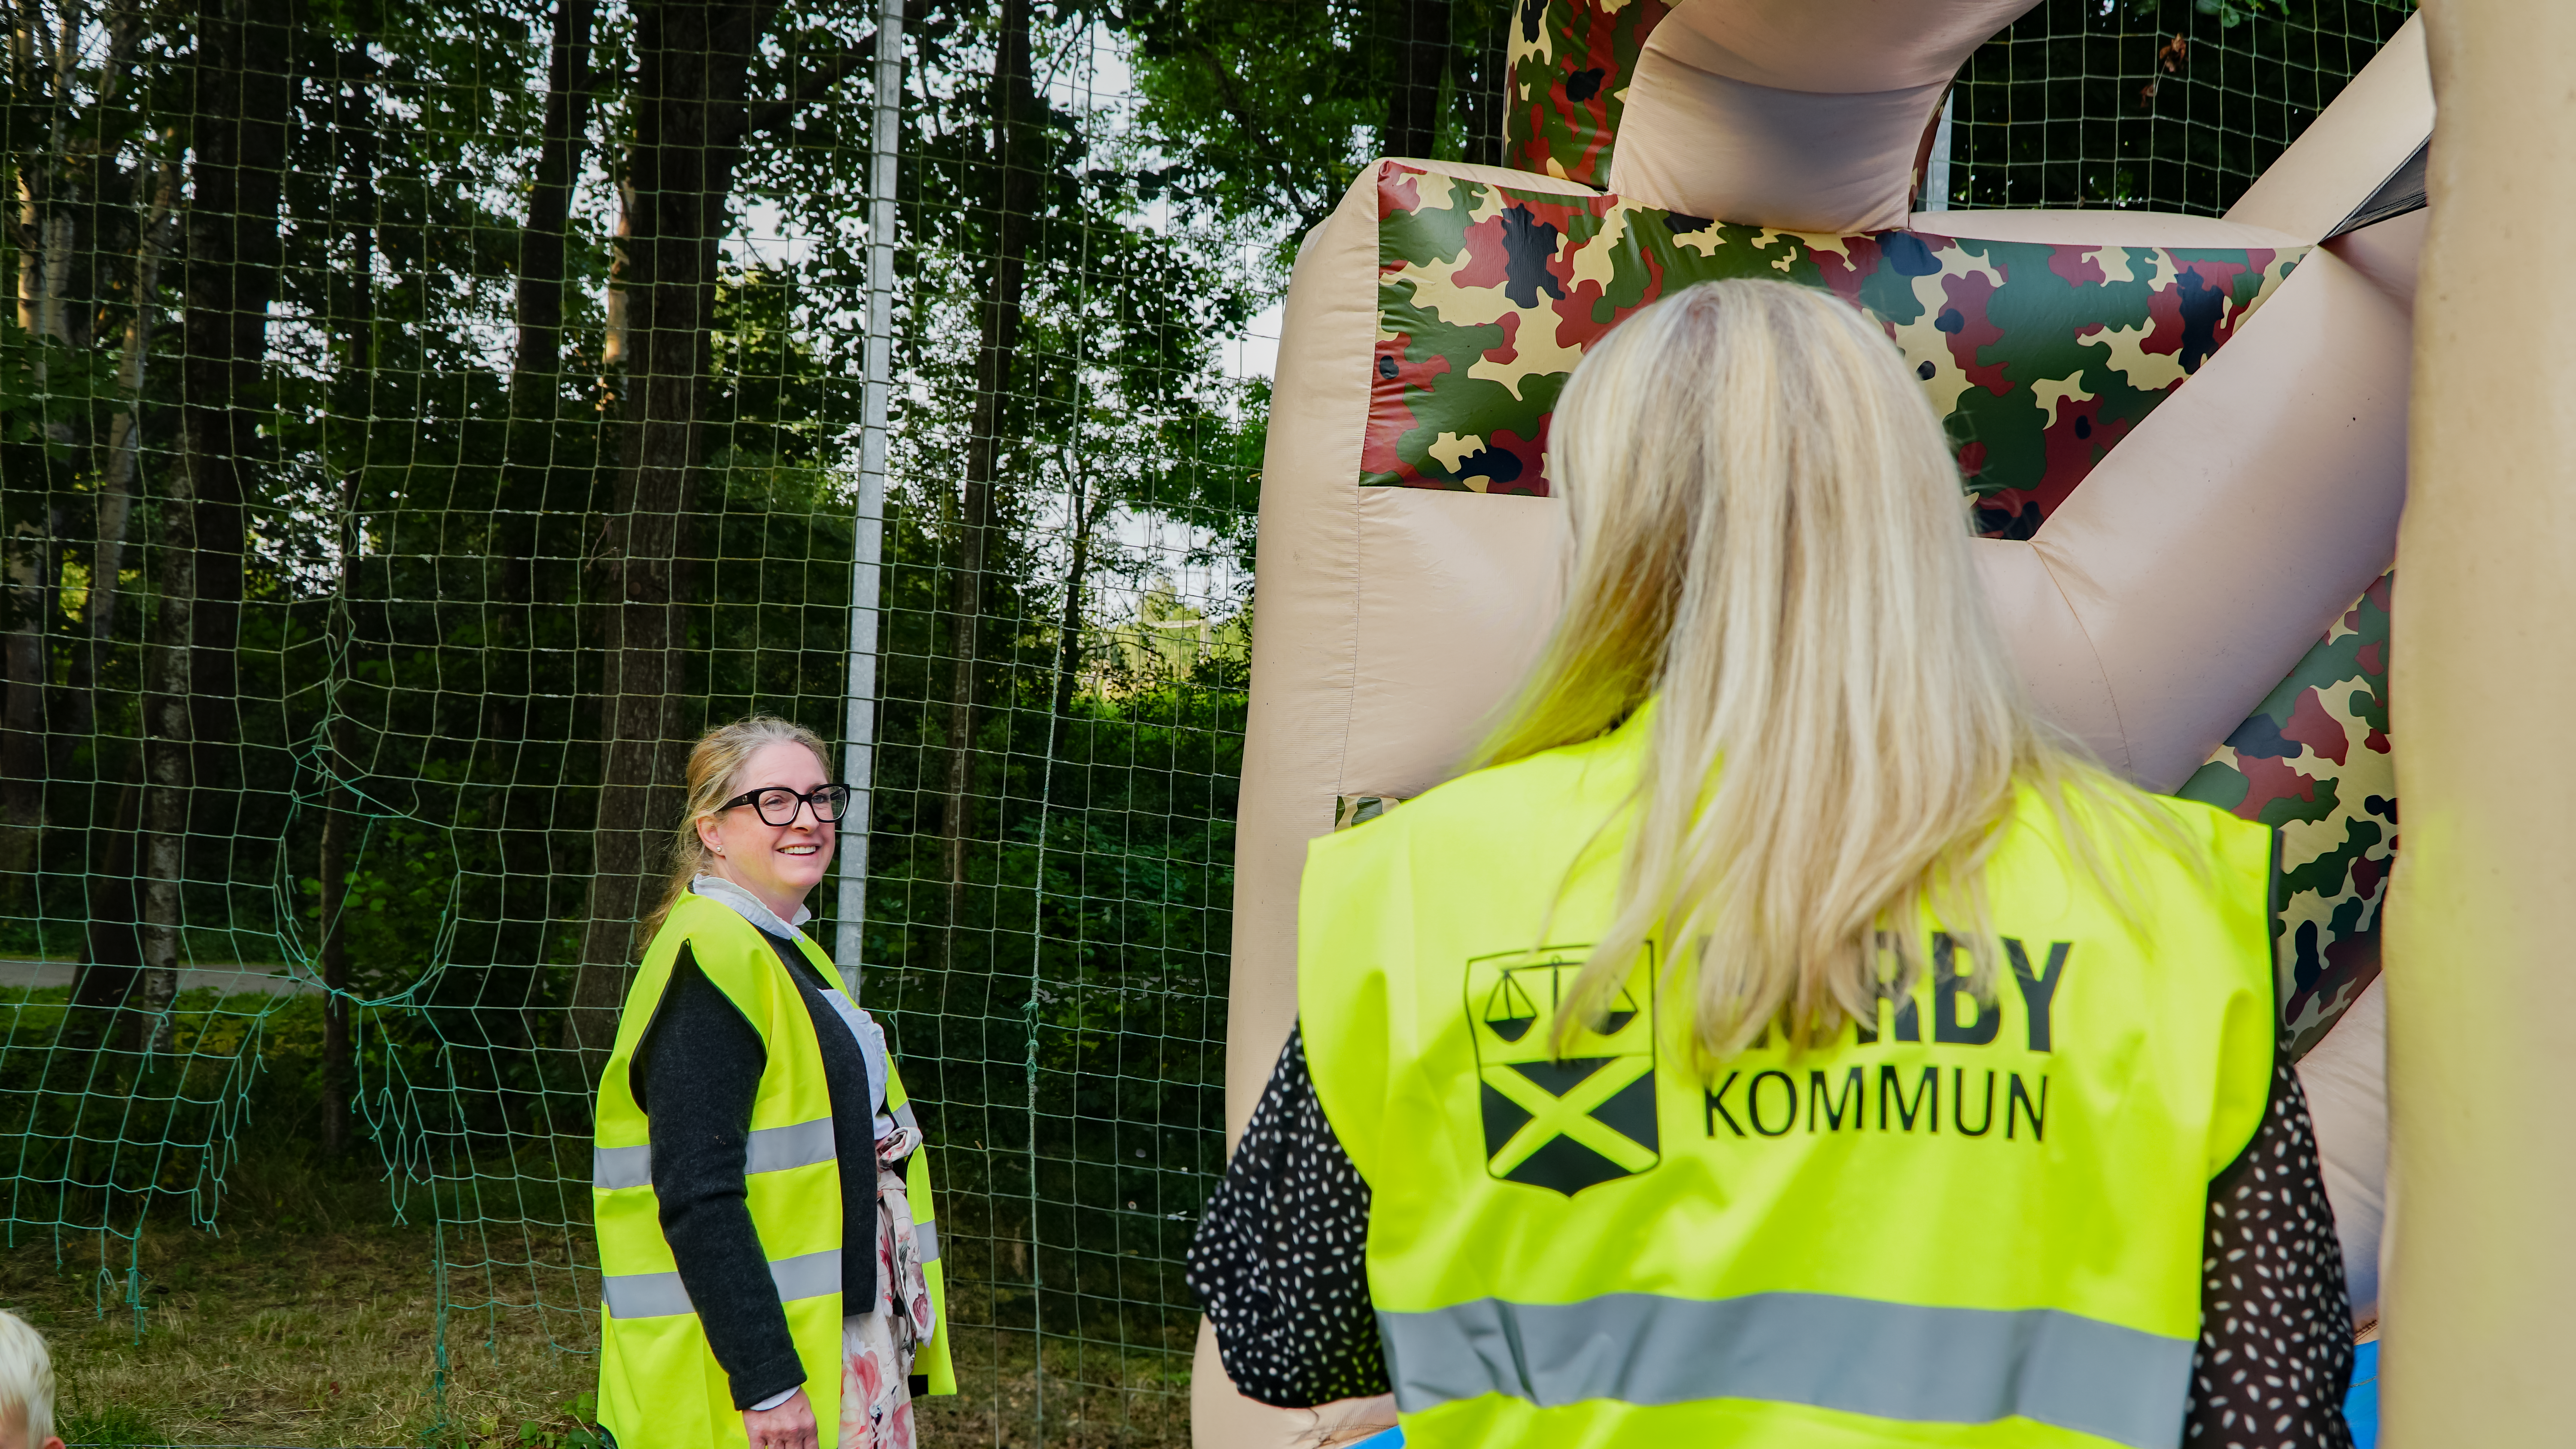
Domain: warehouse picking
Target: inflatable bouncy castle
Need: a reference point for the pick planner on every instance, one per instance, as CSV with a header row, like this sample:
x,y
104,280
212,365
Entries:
x,y
2185,437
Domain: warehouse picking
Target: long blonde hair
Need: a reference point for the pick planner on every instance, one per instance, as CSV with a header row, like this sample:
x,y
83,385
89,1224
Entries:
x,y
715,775
1771,542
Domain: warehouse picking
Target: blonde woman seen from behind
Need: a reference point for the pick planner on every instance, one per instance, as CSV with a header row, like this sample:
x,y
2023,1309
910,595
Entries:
x,y
1779,1037
769,1266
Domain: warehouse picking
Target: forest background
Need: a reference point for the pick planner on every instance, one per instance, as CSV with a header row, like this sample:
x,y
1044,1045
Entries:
x,y
420,418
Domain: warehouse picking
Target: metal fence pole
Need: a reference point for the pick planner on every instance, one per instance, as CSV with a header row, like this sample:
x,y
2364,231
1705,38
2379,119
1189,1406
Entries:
x,y
867,542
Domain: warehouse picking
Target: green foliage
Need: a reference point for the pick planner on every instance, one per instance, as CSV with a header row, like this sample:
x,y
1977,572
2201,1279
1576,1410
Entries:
x,y
1267,109
2233,13
110,1426
584,1433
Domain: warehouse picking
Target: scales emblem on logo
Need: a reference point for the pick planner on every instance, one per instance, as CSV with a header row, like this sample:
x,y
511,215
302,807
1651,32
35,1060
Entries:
x,y
1562,1122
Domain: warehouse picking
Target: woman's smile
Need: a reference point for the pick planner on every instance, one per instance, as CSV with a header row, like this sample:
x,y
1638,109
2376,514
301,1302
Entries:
x,y
781,864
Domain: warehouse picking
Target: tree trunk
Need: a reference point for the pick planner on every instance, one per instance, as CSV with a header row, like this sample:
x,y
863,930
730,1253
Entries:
x,y
48,179
536,372
26,598
110,941
166,771
232,273
690,118
1013,200
538,359
537,484
191,709
339,825
354,118
113,512
1077,583
1422,60
119,473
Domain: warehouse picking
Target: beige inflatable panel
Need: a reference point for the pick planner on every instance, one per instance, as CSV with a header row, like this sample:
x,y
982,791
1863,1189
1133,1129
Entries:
x,y
2346,1080
2075,228
1389,662
1334,660
1800,114
2386,254
2372,128
1310,678
1839,47
1221,1418
2155,608
2482,1164
1456,593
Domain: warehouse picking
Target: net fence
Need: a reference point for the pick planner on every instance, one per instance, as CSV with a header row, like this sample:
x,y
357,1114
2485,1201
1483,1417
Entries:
x,y
424,417
2164,105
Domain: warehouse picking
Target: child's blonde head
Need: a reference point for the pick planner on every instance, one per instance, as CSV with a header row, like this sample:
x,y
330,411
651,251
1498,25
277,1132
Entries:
x,y
26,1384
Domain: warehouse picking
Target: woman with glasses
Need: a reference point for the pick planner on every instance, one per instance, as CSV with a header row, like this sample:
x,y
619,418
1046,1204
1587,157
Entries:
x,y
769,1269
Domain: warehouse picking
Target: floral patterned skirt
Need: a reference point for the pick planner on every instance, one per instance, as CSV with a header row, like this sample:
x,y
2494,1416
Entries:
x,y
877,1347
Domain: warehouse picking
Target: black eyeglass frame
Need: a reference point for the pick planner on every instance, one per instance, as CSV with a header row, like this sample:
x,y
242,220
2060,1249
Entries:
x,y
841,794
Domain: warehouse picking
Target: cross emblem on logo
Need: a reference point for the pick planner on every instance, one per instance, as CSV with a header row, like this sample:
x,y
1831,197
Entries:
x,y
1567,1122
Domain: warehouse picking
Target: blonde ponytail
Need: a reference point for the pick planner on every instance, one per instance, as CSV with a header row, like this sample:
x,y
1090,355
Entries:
x,y
1771,542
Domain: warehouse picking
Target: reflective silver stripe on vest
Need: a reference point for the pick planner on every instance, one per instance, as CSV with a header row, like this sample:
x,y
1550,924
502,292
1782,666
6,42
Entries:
x,y
614,1167
645,1295
1890,1360
798,1144
904,1119
925,1241
659,1295
771,1149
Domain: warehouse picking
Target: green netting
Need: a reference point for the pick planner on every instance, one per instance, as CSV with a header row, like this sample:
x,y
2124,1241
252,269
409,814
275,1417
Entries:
x,y
422,417
2167,105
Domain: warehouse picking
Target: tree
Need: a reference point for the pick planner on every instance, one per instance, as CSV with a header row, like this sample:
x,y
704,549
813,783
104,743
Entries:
x,y
1424,46
1010,176
691,115
191,673
1272,106
352,80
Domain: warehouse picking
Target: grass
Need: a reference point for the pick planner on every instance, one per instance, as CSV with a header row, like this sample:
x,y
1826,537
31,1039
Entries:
x,y
311,1319
1095,1397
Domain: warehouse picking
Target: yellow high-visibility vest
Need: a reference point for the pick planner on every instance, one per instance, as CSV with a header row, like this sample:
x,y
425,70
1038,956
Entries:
x,y
1965,1223
658,1381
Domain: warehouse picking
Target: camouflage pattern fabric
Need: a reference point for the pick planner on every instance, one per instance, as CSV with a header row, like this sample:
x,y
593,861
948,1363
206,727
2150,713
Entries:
x,y
1350,810
2313,763
2038,358
1570,66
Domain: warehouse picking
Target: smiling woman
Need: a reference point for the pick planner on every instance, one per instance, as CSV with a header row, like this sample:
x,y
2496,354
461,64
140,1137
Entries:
x,y
768,1261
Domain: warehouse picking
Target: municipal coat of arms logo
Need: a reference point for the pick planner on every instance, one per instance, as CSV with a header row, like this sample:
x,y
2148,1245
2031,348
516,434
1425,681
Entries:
x,y
1566,1122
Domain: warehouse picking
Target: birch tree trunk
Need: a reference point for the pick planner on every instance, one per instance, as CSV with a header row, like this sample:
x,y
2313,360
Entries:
x,y
190,705
1011,202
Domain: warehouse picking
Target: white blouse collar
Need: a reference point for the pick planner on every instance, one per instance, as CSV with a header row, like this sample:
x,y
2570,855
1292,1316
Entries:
x,y
746,905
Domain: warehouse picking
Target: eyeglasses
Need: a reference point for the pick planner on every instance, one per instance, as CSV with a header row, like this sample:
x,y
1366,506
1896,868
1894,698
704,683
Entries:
x,y
778,804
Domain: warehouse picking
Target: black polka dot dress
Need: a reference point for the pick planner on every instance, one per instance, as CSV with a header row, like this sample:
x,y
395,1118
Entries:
x,y
2275,1326
1277,1265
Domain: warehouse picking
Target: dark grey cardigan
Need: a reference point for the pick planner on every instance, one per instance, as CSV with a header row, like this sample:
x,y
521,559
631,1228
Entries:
x,y
695,1077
